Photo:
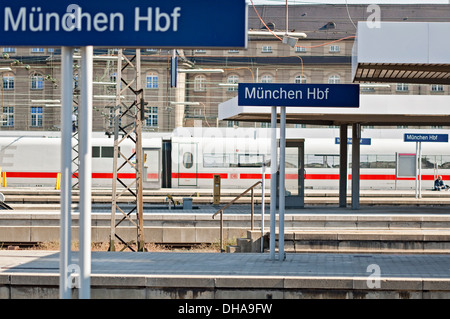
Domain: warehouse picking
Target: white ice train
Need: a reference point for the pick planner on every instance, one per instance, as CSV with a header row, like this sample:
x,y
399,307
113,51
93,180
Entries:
x,y
189,158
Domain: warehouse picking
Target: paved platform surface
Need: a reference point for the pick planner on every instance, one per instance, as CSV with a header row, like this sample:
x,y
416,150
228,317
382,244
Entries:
x,y
250,264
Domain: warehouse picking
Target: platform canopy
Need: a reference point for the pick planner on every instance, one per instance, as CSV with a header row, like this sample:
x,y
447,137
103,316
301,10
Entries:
x,y
381,110
402,52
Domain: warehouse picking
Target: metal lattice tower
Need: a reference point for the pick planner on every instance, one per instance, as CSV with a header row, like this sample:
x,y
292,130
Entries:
x,y
121,161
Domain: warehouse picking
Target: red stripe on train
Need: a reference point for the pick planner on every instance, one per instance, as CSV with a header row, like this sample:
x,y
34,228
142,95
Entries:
x,y
224,176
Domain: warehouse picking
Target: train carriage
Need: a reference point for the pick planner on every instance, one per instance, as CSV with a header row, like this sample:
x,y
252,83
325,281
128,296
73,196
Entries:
x,y
174,160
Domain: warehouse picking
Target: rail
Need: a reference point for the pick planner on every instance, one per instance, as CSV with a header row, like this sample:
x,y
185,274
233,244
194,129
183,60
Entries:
x,y
231,203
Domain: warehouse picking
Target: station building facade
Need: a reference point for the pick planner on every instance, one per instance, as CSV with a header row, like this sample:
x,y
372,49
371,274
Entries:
x,y
31,97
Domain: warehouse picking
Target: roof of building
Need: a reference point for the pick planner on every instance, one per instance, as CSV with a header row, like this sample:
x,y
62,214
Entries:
x,y
335,21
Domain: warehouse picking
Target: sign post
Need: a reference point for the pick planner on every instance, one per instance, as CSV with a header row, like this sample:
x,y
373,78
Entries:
x,y
295,95
109,24
419,138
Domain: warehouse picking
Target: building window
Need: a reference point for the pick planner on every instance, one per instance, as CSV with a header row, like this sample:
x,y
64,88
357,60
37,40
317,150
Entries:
x,y
334,79
402,87
232,79
8,116
152,117
335,48
266,49
265,125
112,114
232,123
37,82
266,79
37,50
201,51
9,50
300,49
113,78
437,88
151,81
233,51
36,116
200,83
300,79
8,82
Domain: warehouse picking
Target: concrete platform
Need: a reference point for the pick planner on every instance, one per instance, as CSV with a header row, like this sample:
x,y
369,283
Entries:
x,y
34,274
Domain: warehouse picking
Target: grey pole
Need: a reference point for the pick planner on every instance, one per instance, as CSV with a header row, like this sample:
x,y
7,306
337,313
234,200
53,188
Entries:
x,y
263,168
273,180
281,255
343,166
85,154
420,170
356,135
417,170
66,171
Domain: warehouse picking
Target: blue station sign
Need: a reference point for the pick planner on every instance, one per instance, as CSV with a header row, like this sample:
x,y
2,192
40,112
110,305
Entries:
x,y
362,141
131,23
307,95
411,137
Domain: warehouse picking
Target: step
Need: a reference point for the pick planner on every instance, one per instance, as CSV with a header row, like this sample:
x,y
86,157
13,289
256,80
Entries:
x,y
392,241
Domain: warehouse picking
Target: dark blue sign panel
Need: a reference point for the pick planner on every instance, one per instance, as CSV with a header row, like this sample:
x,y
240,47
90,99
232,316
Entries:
x,y
410,137
312,95
362,141
130,23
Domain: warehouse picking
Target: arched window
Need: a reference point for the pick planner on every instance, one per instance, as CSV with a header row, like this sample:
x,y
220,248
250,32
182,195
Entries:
x,y
334,79
151,80
200,83
37,81
8,81
300,79
267,79
232,79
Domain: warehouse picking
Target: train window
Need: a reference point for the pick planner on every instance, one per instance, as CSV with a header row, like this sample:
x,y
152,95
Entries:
x,y
445,162
377,161
95,151
108,151
321,161
188,160
250,160
215,160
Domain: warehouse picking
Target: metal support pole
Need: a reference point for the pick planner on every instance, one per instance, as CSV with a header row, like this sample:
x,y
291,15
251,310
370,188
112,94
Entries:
x,y
85,153
420,170
417,169
221,231
139,156
66,172
281,254
273,180
262,204
252,209
343,166
356,135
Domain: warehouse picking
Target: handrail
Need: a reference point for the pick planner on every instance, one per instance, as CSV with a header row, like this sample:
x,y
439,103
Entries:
x,y
231,203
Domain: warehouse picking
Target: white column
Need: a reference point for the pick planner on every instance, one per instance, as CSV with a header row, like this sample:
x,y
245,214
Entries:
x,y
66,171
281,208
273,180
85,153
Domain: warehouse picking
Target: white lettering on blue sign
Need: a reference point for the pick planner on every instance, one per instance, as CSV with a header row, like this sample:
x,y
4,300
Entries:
x,y
35,20
283,94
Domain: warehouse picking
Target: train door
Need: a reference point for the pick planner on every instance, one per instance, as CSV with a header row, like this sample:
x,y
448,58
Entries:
x,y
187,164
152,168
